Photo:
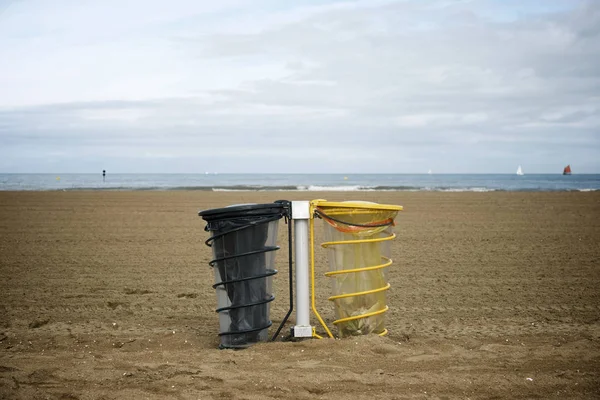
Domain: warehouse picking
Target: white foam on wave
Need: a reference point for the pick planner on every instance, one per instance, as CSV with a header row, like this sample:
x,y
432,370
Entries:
x,y
474,189
317,188
587,190
353,188
231,190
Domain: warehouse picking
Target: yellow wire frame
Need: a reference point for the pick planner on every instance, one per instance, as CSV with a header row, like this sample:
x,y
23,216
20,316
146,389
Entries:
x,y
339,321
312,272
339,211
358,241
356,204
365,207
348,271
343,296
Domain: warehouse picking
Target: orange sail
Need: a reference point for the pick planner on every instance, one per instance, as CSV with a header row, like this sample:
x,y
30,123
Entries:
x,y
567,170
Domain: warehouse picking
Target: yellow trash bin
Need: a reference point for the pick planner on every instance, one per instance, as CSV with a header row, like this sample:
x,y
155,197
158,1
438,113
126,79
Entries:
x,y
358,236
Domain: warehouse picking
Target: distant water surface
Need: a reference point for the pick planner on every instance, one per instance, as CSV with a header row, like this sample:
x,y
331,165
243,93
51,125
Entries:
x,y
303,182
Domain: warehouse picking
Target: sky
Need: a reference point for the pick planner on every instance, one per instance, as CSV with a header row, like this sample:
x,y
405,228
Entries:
x,y
271,86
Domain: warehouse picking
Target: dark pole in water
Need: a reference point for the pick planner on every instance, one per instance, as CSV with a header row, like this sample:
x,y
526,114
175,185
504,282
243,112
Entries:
x,y
103,175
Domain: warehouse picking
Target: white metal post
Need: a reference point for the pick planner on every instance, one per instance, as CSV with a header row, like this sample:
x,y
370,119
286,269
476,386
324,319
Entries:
x,y
301,216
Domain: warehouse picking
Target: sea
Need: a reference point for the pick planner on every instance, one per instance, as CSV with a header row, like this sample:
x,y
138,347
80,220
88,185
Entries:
x,y
303,182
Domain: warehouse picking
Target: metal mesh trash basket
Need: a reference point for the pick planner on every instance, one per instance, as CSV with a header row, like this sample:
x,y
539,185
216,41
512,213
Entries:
x,y
244,241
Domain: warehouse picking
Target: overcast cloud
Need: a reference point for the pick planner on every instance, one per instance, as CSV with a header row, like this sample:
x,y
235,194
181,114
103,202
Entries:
x,y
318,86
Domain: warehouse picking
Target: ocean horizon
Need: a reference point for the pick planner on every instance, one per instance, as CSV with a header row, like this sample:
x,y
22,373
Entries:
x,y
299,182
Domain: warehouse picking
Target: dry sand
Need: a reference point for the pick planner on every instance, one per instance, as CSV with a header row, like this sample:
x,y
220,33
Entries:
x,y
107,295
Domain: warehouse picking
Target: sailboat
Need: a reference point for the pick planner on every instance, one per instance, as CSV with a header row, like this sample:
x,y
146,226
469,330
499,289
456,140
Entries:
x,y
567,170
520,171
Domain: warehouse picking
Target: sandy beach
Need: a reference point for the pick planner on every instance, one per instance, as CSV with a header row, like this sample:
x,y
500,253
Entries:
x,y
107,295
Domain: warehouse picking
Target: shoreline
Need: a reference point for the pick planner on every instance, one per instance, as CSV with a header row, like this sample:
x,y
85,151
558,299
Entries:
x,y
349,190
303,182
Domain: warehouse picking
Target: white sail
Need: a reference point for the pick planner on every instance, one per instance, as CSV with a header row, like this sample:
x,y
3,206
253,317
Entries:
x,y
519,171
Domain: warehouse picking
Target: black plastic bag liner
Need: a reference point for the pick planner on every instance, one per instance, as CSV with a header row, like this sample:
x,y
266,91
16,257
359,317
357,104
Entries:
x,y
243,240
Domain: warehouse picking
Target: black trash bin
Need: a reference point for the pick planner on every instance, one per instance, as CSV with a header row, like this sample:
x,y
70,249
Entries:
x,y
243,240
